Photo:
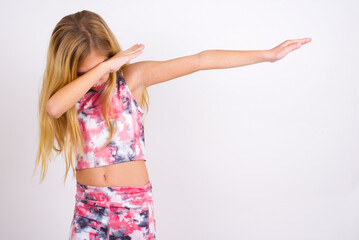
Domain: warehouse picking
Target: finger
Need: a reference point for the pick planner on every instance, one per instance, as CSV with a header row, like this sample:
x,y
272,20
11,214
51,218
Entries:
x,y
289,42
294,46
132,56
134,47
130,49
134,51
303,40
138,45
140,48
306,40
300,41
137,53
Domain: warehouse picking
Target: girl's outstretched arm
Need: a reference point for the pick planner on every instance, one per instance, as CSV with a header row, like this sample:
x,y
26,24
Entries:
x,y
214,59
154,72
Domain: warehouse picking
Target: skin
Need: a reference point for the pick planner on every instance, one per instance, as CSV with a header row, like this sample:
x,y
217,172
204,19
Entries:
x,y
141,75
90,62
133,173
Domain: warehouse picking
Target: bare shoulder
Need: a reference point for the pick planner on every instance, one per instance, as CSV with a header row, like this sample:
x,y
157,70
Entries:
x,y
133,74
147,73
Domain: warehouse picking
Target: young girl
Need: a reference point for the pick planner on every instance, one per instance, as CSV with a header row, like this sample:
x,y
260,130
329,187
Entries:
x,y
92,103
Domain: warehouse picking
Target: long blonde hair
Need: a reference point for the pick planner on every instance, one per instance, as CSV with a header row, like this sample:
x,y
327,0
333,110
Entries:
x,y
72,40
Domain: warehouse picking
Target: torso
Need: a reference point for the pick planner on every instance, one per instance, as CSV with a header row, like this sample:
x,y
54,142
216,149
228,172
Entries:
x,y
132,173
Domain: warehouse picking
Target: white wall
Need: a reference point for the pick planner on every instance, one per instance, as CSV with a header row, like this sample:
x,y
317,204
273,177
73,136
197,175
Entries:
x,y
267,151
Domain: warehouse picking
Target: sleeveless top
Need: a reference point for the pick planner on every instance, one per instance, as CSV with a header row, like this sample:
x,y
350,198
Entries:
x,y
128,142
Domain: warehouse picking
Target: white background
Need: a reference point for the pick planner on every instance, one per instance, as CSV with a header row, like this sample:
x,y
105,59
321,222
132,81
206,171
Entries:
x,y
266,151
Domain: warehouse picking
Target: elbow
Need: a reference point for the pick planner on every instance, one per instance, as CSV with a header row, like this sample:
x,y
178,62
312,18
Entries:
x,y
202,60
51,111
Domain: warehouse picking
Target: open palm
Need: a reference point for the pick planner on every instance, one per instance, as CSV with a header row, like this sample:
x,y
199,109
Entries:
x,y
287,46
123,57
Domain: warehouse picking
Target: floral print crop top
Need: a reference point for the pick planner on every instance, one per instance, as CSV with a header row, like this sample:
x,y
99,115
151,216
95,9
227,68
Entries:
x,y
128,143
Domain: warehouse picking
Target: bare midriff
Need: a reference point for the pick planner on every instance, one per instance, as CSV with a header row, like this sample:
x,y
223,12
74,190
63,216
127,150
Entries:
x,y
132,173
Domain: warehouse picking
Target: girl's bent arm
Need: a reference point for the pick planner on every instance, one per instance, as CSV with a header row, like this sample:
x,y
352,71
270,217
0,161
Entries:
x,y
67,96
215,59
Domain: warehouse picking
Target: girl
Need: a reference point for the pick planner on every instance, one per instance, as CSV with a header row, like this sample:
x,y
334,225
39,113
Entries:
x,y
92,103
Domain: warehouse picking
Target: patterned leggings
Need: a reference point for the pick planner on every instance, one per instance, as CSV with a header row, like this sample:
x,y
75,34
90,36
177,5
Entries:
x,y
105,213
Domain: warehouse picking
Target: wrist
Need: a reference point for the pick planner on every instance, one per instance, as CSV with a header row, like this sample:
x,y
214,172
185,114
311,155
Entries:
x,y
268,55
105,67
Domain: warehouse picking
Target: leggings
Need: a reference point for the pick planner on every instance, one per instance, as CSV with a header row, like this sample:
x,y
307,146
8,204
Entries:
x,y
105,213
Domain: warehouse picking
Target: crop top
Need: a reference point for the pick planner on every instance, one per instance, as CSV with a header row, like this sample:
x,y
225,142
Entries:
x,y
128,142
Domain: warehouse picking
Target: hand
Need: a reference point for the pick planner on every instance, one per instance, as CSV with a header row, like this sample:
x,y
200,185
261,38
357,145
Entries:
x,y
123,57
284,48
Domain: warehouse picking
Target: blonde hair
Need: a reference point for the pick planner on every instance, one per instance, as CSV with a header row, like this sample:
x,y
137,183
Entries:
x,y
72,40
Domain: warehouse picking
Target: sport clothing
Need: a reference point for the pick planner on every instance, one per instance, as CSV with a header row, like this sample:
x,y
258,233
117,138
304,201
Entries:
x,y
128,144
103,213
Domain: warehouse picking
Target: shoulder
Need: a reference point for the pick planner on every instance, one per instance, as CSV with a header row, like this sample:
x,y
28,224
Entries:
x,y
133,74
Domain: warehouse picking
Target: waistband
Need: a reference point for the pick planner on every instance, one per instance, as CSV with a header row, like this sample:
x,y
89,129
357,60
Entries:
x,y
103,196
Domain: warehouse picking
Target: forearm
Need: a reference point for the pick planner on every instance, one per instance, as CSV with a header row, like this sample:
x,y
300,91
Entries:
x,y
214,59
67,96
